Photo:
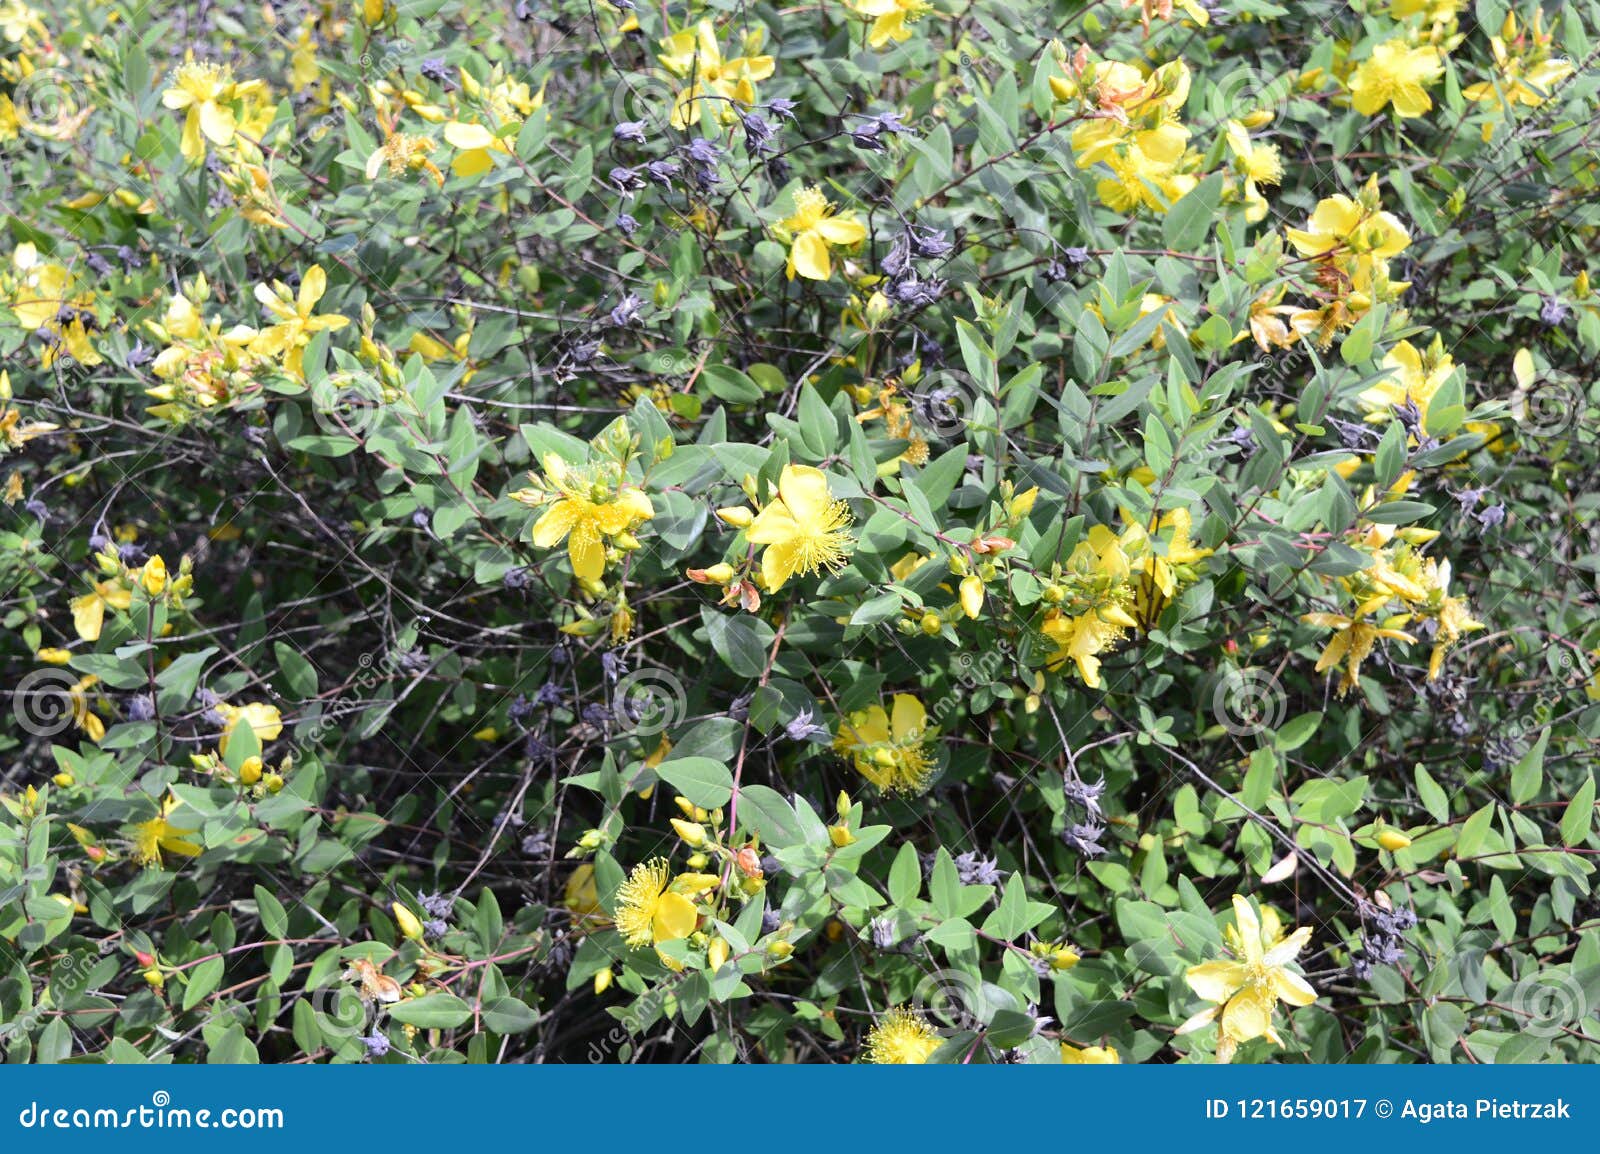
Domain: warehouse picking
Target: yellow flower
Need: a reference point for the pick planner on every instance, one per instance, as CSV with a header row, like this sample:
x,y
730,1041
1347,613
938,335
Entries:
x,y
648,913
804,528
1089,1056
263,718
812,230
1399,74
891,19
213,100
1081,638
1247,990
892,751
1452,615
502,102
1258,163
901,1038
297,319
89,611
1528,73
1413,377
1354,239
151,837
694,55
586,512
1351,644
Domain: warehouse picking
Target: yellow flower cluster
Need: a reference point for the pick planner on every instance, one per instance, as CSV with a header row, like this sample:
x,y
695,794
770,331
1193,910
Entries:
x,y
47,299
1350,242
1132,128
1399,589
1113,583
725,83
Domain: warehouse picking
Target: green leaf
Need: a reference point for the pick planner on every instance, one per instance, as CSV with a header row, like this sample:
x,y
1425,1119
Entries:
x,y
202,980
1434,798
274,921
432,1012
1528,774
1578,818
705,782
1189,220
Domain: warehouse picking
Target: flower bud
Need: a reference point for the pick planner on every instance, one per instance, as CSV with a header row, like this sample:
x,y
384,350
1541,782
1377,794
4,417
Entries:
x,y
406,921
53,656
717,953
63,779
972,596
603,980
250,771
841,805
736,516
719,574
155,576
1393,840
691,832
840,835
931,625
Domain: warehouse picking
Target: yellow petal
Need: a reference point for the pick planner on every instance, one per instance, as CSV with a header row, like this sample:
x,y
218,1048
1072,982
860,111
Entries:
x,y
1215,981
809,257
675,918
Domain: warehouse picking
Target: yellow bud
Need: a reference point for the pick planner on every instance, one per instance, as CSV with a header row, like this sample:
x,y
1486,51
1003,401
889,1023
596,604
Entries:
x,y
1063,959
406,921
250,771
63,779
972,596
603,980
720,573
737,516
1022,504
155,575
1393,840
1580,285
1053,594
697,861
1257,119
273,782
684,804
717,953
626,541
155,978
840,835
372,11
780,950
691,832
931,625
53,656
841,805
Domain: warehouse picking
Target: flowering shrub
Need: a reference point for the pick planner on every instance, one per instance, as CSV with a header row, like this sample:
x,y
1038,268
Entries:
x,y
893,531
